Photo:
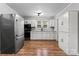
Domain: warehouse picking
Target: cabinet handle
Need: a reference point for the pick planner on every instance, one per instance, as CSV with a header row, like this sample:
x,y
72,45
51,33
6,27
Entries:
x,y
16,19
62,23
61,40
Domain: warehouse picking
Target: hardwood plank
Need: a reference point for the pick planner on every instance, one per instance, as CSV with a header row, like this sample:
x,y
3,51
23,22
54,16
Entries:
x,y
39,48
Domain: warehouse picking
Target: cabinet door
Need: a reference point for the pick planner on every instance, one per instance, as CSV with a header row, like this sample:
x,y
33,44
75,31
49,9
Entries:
x,y
45,35
37,35
52,23
61,40
33,23
60,24
39,26
66,44
52,35
65,23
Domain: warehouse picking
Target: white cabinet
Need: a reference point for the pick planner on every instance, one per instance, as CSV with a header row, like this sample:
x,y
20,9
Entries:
x,y
52,35
45,35
66,43
63,23
33,23
63,41
60,28
38,35
66,22
27,21
63,32
51,23
68,32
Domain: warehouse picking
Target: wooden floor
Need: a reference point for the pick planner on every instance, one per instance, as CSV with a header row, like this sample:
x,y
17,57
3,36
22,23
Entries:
x,y
39,48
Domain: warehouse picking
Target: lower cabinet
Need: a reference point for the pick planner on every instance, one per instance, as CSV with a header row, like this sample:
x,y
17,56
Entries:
x,y
63,41
42,35
60,40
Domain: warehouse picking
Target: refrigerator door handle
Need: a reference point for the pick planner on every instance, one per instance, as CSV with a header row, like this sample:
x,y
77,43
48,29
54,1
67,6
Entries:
x,y
19,36
16,39
16,35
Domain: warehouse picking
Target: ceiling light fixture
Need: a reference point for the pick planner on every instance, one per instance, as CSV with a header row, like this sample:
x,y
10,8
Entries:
x,y
39,13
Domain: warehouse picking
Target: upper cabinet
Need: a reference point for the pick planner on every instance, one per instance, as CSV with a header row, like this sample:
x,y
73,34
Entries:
x,y
38,25
52,24
63,24
27,22
45,24
32,22
42,24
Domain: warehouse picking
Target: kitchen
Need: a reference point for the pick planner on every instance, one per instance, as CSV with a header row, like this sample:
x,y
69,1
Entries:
x,y
39,29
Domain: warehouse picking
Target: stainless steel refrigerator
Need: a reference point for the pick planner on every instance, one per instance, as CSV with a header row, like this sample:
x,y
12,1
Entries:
x,y
11,33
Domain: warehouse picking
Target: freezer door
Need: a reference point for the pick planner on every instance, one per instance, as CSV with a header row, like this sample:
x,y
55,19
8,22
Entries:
x,y
19,43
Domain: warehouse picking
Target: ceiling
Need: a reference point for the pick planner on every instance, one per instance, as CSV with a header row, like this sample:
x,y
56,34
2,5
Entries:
x,y
31,9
